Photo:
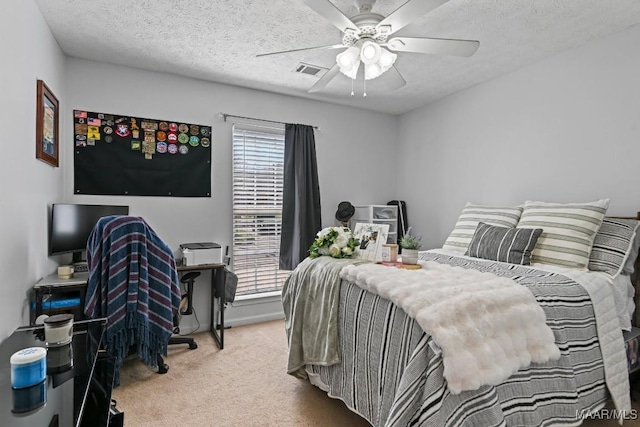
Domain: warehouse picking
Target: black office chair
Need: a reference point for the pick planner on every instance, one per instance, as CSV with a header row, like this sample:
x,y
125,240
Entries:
x,y
123,254
188,279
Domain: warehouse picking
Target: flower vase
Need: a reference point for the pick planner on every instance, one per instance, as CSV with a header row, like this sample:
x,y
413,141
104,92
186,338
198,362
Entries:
x,y
409,256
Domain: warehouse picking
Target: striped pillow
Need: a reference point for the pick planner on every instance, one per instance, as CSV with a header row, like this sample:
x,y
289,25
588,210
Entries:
x,y
512,245
460,237
613,245
569,231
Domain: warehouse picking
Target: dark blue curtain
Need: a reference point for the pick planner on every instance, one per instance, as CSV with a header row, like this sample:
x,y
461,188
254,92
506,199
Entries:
x,y
301,195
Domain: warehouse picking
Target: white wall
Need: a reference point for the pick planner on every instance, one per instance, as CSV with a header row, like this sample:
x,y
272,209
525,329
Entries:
x,y
347,139
566,129
29,52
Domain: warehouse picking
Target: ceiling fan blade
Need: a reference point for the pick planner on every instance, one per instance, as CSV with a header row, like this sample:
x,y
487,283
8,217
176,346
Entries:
x,y
324,80
395,79
332,46
434,46
408,12
331,14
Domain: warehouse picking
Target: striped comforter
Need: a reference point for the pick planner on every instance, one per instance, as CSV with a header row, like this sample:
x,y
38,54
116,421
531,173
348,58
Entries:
x,y
392,374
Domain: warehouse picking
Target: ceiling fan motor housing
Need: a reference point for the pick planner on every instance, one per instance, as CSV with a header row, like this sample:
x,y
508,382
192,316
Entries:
x,y
367,29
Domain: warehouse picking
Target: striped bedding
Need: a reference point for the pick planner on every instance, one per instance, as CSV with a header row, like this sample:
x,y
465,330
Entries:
x,y
392,375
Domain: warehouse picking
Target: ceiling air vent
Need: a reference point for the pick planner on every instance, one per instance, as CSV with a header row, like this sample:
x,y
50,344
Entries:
x,y
312,70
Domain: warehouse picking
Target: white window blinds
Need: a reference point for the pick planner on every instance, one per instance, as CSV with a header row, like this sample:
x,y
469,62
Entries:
x,y
258,175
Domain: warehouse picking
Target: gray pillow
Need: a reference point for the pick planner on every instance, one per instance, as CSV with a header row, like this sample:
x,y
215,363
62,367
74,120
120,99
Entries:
x,y
512,245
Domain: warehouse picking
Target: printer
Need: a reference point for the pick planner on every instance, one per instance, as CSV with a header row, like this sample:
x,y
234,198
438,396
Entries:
x,y
201,253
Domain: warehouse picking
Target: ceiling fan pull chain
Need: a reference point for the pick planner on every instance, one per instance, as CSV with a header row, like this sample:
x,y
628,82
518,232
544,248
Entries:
x,y
352,80
364,88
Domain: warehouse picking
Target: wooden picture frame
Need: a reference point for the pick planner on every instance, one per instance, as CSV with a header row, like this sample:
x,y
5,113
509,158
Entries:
x,y
47,118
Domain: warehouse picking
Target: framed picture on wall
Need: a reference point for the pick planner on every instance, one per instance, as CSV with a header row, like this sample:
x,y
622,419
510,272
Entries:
x,y
47,137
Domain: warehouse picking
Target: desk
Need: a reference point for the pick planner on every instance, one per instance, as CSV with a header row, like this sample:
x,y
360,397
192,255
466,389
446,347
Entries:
x,y
75,396
76,287
59,290
217,284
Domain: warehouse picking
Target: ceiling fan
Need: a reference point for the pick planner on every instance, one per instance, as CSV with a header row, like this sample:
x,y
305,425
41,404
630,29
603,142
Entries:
x,y
366,40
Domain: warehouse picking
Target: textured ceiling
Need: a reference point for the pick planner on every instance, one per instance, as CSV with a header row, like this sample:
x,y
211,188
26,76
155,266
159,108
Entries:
x,y
217,40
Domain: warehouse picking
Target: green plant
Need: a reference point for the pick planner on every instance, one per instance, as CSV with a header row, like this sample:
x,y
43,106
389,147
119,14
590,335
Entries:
x,y
409,241
336,242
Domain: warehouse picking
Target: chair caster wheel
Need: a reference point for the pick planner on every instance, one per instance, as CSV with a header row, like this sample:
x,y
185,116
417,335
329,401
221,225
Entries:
x,y
162,369
193,346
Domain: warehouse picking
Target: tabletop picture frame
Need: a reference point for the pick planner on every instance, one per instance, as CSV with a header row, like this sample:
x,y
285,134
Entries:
x,y
47,119
372,238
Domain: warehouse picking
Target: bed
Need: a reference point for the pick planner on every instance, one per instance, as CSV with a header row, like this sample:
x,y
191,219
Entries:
x,y
383,364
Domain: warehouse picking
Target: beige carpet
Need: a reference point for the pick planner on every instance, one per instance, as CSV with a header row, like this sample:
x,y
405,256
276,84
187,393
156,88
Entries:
x,y
243,385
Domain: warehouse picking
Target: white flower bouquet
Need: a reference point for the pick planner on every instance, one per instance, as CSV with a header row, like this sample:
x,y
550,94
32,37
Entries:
x,y
336,242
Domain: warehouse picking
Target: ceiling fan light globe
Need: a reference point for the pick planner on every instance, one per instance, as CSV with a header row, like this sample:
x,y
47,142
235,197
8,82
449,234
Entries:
x,y
349,58
351,72
387,59
370,52
371,71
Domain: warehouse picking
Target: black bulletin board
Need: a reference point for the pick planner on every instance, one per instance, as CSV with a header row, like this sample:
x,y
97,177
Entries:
x,y
121,155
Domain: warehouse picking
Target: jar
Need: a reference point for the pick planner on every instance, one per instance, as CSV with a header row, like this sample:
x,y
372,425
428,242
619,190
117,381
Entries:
x,y
28,367
29,398
59,359
58,329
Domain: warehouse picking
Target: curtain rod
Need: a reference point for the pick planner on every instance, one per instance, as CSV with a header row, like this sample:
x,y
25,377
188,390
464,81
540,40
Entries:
x,y
225,115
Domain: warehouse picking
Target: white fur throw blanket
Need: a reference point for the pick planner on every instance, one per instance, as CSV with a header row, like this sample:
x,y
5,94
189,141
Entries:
x,y
487,326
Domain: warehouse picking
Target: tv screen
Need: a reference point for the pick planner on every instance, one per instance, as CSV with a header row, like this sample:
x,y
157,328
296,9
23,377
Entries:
x,y
72,224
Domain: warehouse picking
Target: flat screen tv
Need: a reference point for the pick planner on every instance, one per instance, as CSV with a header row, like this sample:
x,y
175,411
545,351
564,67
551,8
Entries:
x,y
71,226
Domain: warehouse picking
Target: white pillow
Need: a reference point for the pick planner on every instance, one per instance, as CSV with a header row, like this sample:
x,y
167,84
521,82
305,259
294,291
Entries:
x,y
502,216
568,231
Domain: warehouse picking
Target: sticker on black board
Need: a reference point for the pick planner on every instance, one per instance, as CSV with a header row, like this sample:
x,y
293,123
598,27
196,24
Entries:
x,y
108,130
122,130
194,129
148,148
173,127
136,145
183,138
108,139
161,136
79,114
164,126
204,131
91,142
173,149
194,141
93,132
161,147
184,149
94,122
183,128
205,142
149,125
172,137
149,136
81,129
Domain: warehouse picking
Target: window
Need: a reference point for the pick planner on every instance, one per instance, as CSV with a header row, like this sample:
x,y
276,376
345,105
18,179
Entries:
x,y
258,176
